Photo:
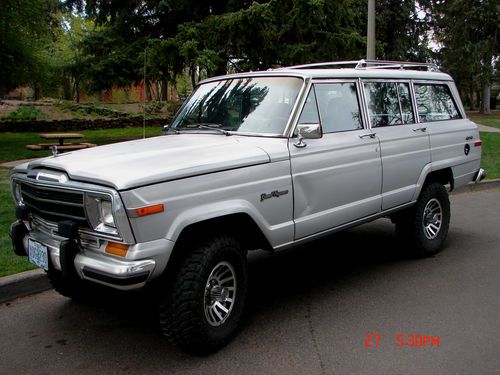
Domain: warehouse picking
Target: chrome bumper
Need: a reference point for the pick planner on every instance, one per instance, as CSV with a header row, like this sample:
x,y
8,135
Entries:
x,y
480,175
143,262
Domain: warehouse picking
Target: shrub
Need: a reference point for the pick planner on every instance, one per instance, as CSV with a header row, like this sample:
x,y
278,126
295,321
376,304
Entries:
x,y
24,113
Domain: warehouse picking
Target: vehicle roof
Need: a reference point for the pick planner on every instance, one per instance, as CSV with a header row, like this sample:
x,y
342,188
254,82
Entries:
x,y
342,73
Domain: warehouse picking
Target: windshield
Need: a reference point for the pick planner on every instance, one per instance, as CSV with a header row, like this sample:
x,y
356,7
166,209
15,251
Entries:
x,y
250,105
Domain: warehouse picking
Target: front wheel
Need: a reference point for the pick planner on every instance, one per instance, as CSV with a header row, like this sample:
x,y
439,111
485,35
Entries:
x,y
423,228
203,309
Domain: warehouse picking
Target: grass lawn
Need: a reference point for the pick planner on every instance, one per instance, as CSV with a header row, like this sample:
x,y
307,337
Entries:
x,y
491,154
492,120
9,262
13,145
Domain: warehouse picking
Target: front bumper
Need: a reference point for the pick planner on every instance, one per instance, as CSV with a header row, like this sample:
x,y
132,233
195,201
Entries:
x,y
143,261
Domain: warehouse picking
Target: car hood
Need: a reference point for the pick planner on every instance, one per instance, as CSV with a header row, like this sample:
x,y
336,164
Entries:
x,y
146,161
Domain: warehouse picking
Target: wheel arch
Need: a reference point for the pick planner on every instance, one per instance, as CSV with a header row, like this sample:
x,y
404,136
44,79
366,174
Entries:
x,y
239,225
444,176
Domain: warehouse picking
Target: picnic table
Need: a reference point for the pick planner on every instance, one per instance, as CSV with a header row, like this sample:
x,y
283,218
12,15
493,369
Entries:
x,y
61,136
61,144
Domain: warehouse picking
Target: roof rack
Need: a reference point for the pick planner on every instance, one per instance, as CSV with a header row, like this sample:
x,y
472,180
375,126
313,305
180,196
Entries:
x,y
369,64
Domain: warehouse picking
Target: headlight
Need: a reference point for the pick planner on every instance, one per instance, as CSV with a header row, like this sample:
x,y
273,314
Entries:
x,y
100,213
107,217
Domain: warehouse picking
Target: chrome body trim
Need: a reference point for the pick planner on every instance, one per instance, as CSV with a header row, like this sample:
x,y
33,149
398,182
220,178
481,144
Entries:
x,y
150,257
124,232
351,224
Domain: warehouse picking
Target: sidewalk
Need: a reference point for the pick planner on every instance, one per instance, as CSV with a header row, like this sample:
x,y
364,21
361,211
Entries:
x,y
487,129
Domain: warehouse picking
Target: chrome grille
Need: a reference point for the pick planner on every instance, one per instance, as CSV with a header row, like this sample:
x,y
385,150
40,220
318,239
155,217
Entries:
x,y
55,204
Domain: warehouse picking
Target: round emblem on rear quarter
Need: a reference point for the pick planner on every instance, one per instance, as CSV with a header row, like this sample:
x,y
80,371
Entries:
x,y
466,149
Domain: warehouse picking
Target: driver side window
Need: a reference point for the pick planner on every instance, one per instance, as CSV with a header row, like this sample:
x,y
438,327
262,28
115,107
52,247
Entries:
x,y
338,107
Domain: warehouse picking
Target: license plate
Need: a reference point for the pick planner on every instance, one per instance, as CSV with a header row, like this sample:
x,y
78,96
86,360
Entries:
x,y
38,254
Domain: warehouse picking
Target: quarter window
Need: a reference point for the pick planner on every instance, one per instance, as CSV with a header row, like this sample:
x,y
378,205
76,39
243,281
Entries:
x,y
435,103
309,114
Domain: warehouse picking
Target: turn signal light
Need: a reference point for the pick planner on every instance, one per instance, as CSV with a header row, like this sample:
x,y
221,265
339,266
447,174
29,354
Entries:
x,y
478,143
149,210
117,249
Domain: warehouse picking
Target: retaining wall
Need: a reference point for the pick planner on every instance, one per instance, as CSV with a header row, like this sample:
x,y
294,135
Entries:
x,y
77,124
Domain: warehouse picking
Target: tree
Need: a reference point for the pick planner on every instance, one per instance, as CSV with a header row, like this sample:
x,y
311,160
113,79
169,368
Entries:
x,y
25,28
467,31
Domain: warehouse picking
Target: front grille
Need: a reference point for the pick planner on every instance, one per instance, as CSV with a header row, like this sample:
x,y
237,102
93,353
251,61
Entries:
x,y
55,204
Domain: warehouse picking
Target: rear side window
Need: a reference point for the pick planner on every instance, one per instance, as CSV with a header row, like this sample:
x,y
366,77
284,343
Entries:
x,y
435,103
389,103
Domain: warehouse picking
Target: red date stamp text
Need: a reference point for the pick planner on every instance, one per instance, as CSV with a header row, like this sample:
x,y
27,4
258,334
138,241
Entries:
x,y
411,340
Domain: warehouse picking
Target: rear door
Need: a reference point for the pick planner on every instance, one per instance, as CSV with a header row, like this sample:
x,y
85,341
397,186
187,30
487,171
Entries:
x,y
404,144
337,178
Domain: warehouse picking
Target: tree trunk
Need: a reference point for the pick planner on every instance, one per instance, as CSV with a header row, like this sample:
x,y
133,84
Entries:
x,y
77,91
164,90
66,88
148,90
37,91
471,97
192,73
485,104
478,98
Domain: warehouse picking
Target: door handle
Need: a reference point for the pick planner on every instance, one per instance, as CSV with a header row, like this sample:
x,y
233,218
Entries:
x,y
369,135
422,129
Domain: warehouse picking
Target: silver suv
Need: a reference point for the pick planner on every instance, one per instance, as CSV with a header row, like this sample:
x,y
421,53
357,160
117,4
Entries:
x,y
259,160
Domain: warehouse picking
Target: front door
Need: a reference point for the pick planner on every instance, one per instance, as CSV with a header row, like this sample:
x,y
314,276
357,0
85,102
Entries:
x,y
337,178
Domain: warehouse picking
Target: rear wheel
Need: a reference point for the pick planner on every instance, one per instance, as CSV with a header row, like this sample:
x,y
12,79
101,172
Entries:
x,y
203,308
423,228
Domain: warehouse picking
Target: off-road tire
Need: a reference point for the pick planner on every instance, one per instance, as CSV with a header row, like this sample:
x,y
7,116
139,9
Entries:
x,y
410,225
182,313
73,288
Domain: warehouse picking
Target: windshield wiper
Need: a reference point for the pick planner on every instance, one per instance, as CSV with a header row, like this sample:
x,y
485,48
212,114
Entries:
x,y
211,126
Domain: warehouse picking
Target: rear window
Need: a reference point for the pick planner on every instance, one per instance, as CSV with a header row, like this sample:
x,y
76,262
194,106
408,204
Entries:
x,y
435,103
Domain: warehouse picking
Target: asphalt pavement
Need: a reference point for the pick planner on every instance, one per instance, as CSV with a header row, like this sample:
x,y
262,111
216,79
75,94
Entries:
x,y
342,305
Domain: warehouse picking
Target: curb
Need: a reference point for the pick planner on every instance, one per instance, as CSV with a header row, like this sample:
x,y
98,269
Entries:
x,y
483,185
30,282
23,284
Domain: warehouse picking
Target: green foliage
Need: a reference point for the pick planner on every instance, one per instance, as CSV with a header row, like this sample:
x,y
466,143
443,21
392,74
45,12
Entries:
x,y
98,45
9,262
26,26
468,33
24,113
153,107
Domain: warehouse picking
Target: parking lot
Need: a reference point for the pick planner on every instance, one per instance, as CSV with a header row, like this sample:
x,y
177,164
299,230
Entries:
x,y
351,303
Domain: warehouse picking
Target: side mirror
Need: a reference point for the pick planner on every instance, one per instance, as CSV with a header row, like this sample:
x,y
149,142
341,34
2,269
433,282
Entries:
x,y
308,131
